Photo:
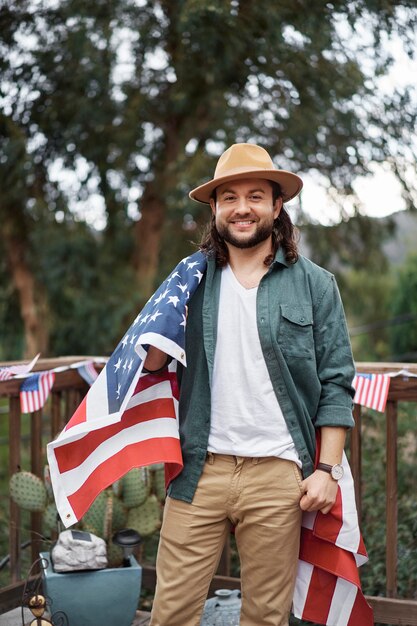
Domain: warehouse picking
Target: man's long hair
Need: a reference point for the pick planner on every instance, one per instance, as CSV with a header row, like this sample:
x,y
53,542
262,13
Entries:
x,y
284,235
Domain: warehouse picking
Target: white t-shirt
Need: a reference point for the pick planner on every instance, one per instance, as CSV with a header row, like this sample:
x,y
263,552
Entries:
x,y
246,419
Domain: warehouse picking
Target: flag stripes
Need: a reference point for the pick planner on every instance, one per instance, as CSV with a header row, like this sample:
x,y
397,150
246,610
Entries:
x,y
6,373
88,372
371,390
120,462
147,432
15,370
34,391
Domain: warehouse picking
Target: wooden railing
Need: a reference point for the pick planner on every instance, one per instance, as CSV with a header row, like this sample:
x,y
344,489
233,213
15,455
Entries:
x,y
68,390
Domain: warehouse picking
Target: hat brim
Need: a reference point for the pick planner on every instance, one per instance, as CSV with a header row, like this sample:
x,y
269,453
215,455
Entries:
x,y
290,183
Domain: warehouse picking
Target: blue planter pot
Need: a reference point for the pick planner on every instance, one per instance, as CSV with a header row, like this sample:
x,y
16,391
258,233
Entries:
x,y
94,598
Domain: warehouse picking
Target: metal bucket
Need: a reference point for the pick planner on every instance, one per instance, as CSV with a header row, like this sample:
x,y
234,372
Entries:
x,y
223,609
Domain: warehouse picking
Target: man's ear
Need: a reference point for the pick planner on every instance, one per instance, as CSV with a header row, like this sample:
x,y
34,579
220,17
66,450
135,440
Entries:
x,y
213,206
277,207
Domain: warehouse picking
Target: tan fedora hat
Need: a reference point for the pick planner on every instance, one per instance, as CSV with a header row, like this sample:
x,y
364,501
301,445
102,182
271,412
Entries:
x,y
247,160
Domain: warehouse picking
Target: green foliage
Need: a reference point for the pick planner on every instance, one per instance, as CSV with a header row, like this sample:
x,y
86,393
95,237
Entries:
x,y
90,286
366,295
403,335
373,524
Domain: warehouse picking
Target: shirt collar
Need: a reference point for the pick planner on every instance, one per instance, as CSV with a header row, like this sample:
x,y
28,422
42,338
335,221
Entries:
x,y
280,258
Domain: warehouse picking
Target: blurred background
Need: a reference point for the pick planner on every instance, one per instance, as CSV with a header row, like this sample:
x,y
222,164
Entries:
x,y
111,111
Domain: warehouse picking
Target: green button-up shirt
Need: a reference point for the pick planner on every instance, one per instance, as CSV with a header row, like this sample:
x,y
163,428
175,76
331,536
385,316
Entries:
x,y
305,343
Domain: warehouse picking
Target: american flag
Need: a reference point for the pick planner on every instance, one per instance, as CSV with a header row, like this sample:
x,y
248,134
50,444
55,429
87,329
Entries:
x,y
34,391
127,420
371,390
15,370
88,372
328,589
6,373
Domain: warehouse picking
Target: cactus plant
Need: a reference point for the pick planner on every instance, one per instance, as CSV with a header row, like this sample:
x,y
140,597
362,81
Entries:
x,y
134,501
105,515
158,481
50,517
136,486
146,518
28,491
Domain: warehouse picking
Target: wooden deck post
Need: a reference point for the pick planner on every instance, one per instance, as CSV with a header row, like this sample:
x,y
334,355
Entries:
x,y
392,500
37,469
14,466
356,457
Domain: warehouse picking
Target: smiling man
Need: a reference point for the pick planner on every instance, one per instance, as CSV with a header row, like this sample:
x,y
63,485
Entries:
x,y
269,371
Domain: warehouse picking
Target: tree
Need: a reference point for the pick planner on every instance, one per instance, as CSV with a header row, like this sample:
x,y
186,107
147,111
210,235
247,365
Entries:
x,y
21,174
403,332
141,97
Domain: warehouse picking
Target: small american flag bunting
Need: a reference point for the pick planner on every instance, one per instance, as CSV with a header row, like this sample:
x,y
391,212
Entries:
x,y
34,391
15,370
88,372
372,390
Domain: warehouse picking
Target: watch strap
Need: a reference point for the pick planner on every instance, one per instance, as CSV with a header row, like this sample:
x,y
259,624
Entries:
x,y
325,467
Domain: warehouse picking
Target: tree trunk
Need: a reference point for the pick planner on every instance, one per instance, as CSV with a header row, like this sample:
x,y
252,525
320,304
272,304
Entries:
x,y
148,234
154,207
32,299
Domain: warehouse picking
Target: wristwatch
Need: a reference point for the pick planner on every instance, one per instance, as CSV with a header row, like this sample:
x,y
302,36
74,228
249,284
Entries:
x,y
335,471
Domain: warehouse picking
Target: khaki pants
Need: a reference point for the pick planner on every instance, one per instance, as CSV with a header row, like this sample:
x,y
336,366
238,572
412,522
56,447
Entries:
x,y
260,496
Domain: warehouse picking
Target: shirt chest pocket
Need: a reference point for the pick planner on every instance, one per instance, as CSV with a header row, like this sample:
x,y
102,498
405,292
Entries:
x,y
295,334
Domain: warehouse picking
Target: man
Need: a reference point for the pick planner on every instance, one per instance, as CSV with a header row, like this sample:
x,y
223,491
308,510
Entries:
x,y
269,368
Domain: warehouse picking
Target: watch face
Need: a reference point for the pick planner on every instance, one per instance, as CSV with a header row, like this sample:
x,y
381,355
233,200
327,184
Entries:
x,y
337,472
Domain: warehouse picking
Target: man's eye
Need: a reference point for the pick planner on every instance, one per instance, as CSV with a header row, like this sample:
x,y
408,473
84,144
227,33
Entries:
x,y
229,198
255,197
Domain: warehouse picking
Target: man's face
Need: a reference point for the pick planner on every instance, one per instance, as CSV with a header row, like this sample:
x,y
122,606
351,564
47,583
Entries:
x,y
245,212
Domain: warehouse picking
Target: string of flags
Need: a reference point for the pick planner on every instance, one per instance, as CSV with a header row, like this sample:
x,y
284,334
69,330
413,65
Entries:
x,y
17,370
35,387
371,390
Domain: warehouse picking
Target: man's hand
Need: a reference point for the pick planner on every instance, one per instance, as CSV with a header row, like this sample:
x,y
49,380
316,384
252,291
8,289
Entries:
x,y
320,492
155,359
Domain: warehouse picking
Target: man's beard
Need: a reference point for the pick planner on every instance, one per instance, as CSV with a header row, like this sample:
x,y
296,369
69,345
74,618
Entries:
x,y
263,232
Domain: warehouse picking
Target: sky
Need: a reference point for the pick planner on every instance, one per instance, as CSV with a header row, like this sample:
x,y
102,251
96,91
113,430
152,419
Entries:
x,y
380,191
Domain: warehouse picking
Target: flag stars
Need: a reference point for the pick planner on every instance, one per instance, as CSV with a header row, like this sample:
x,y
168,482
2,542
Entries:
x,y
125,340
174,275
191,265
184,320
198,275
117,365
145,318
182,287
161,296
155,315
119,388
132,340
173,300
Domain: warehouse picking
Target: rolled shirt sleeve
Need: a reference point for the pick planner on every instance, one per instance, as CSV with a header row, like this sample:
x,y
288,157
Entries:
x,y
334,360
